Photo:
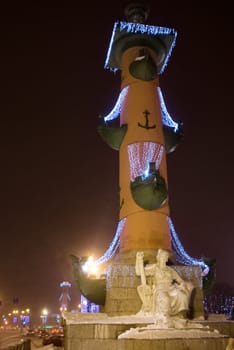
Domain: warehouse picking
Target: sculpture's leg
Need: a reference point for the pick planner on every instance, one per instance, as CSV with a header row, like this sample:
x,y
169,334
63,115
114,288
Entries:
x,y
161,303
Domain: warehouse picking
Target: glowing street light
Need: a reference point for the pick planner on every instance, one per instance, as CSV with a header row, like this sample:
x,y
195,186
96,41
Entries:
x,y
44,315
15,317
25,317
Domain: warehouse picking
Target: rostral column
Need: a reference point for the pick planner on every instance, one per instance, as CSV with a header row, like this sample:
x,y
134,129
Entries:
x,y
141,53
144,135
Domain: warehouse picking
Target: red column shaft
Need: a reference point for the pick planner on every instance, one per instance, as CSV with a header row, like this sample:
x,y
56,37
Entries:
x,y
144,229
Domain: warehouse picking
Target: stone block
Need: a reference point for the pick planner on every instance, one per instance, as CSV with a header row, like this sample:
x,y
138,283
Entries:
x,y
119,293
85,331
175,344
122,297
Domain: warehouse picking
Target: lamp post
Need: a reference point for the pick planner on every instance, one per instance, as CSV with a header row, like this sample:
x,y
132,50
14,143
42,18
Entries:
x,y
15,318
44,315
25,317
28,317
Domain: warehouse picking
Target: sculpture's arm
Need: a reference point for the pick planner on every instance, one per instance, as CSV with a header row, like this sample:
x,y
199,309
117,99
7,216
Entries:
x,y
176,277
142,270
187,286
139,263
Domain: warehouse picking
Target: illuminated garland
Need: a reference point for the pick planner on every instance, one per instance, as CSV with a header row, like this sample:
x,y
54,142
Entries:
x,y
114,246
181,256
141,154
166,118
110,48
118,105
64,297
145,29
65,284
138,28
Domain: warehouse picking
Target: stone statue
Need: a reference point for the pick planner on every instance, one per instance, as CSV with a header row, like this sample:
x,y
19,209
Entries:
x,y
162,291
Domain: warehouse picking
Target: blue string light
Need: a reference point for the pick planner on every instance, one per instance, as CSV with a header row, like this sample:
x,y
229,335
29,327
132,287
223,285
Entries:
x,y
118,105
110,252
181,255
166,118
142,29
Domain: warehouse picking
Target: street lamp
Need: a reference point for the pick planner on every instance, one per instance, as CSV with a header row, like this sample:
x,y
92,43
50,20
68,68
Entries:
x,y
25,317
44,317
15,318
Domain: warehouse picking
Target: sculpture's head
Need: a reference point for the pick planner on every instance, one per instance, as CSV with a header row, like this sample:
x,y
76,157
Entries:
x,y
162,255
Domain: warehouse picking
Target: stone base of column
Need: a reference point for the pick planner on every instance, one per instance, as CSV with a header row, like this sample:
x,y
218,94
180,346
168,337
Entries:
x,y
92,331
121,289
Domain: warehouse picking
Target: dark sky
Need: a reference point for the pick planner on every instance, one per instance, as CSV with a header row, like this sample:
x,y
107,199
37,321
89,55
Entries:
x,y
59,181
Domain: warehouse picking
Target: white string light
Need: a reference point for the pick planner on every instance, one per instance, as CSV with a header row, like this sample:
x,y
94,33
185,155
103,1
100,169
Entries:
x,y
110,252
118,105
181,255
142,29
166,118
141,154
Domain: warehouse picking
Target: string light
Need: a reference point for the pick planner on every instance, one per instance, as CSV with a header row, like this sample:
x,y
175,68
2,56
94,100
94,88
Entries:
x,y
110,252
166,118
181,255
145,29
141,154
110,48
118,105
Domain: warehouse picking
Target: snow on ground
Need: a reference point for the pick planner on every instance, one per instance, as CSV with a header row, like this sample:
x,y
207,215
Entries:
x,y
13,337
10,337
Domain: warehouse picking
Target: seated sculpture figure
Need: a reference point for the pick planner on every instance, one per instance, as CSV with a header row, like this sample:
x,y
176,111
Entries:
x,y
162,291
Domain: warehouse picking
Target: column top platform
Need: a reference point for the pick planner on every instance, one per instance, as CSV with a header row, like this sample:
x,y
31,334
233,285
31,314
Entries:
x,y
129,34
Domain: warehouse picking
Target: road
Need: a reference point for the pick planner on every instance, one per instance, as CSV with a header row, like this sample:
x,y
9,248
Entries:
x,y
36,344
12,337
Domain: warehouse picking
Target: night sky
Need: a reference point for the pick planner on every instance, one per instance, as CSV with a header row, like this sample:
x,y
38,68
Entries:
x,y
59,180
